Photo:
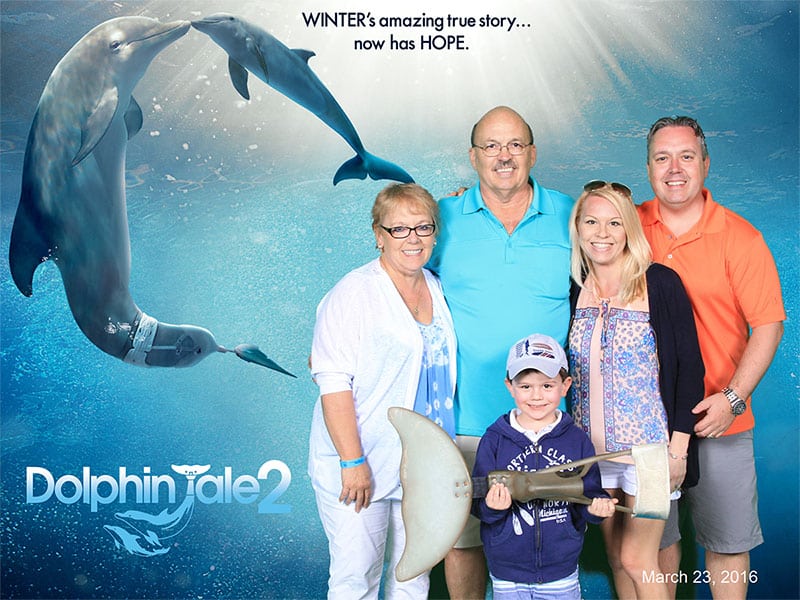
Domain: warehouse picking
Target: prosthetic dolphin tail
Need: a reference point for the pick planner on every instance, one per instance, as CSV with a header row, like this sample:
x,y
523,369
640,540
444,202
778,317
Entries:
x,y
250,48
72,208
438,488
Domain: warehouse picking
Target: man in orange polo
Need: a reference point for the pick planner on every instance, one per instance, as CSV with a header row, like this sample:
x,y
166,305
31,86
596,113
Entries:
x,y
733,284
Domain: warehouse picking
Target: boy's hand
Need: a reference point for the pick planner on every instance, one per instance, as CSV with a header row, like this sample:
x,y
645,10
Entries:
x,y
498,497
602,507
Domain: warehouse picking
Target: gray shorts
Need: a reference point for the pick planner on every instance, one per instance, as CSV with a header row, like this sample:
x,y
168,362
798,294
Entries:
x,y
724,503
471,536
672,531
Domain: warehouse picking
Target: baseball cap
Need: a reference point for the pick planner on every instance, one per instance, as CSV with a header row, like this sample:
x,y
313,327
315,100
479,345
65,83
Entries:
x,y
537,351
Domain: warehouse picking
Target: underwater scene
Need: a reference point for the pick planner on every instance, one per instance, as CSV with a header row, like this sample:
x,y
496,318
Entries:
x,y
238,215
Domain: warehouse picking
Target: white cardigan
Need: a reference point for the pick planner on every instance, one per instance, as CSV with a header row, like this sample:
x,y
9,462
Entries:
x,y
366,340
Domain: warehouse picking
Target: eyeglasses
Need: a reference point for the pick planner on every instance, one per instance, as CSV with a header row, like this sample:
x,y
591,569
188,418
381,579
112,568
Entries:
x,y
494,149
617,187
401,233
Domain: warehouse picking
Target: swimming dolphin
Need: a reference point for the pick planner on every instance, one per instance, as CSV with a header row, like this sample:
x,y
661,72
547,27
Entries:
x,y
162,526
135,542
144,534
72,207
250,48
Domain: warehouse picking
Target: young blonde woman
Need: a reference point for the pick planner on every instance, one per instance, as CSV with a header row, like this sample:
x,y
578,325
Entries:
x,y
636,367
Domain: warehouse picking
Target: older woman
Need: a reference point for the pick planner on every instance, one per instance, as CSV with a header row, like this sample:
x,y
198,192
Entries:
x,y
636,366
383,338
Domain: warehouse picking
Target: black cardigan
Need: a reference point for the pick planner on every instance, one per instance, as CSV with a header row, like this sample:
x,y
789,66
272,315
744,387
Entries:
x,y
681,368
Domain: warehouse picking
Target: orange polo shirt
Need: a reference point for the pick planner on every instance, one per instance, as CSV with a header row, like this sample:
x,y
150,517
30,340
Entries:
x,y
732,282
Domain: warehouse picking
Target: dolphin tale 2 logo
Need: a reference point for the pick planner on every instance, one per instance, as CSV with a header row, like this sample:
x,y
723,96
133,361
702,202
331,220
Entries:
x,y
146,534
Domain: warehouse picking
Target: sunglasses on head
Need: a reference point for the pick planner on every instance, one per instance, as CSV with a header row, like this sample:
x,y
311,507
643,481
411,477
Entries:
x,y
617,187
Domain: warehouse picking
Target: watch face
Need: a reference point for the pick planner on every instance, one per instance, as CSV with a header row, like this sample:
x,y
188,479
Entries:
x,y
738,408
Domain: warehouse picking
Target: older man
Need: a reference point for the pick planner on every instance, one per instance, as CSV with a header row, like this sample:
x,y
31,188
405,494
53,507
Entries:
x,y
733,285
503,260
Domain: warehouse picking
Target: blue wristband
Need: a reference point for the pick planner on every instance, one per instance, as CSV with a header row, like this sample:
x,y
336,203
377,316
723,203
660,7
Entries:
x,y
346,464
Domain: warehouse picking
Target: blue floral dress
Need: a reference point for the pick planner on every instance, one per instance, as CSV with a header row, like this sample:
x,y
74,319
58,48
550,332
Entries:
x,y
615,394
434,399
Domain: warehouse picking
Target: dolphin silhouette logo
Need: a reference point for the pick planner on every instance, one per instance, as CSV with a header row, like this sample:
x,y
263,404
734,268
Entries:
x,y
143,534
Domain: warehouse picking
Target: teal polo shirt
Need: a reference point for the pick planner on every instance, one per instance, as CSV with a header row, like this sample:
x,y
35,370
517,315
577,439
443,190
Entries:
x,y
500,288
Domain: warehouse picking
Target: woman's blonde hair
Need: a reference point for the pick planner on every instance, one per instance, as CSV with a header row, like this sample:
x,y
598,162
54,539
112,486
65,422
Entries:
x,y
411,194
636,256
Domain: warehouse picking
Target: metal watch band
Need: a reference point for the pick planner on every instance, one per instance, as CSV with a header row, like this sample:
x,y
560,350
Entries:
x,y
738,405
732,396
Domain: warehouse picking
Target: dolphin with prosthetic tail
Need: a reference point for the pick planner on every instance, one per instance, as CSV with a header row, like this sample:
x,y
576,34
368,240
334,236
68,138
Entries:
x,y
438,488
72,208
250,48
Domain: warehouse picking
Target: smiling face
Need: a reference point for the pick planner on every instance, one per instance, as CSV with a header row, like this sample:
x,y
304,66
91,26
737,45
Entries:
x,y
601,232
505,173
537,397
404,256
676,167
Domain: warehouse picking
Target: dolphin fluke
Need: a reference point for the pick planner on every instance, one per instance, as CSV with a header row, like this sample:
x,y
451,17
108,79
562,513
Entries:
x,y
251,353
377,168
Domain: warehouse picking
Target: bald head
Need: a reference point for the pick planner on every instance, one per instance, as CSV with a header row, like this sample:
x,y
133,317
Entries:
x,y
499,112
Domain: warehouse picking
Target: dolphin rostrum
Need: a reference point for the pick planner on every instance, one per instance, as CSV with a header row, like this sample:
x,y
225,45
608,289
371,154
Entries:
x,y
250,48
72,208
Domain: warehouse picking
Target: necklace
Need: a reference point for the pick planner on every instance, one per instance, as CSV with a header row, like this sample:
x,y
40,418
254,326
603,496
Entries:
x,y
595,288
412,306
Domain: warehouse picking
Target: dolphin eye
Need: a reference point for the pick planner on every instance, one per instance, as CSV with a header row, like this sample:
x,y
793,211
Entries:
x,y
114,46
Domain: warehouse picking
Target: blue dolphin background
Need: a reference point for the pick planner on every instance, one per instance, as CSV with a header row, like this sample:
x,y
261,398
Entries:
x,y
72,208
251,48
234,222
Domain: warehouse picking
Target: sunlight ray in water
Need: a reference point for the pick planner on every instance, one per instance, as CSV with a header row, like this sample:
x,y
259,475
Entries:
x,y
553,59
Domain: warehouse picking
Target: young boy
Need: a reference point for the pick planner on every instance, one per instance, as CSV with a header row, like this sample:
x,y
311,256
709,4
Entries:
x,y
533,547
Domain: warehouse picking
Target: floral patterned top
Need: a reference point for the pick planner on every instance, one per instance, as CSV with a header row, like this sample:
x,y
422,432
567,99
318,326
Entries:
x,y
434,399
615,394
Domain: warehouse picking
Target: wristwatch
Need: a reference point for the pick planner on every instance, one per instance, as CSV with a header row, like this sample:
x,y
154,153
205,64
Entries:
x,y
738,405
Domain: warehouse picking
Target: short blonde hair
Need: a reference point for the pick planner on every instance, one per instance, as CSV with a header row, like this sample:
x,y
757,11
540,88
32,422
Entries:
x,y
412,194
637,255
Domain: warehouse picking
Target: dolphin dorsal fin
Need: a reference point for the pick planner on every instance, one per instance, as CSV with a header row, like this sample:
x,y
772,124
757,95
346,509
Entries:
x,y
304,54
238,78
97,123
133,118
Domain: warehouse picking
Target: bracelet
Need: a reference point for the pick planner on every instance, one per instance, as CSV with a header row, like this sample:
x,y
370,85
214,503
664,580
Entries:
x,y
346,464
676,457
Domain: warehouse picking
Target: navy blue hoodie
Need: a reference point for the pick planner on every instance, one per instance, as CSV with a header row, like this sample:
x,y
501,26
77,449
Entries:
x,y
538,541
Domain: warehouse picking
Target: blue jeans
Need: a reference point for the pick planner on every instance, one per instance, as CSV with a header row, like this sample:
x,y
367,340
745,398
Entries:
x,y
568,588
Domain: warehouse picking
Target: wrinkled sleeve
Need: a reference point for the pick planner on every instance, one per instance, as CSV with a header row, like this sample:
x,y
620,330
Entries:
x,y
485,462
334,350
756,282
689,388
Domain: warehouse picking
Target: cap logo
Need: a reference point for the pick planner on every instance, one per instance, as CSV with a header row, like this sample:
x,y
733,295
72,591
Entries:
x,y
525,348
